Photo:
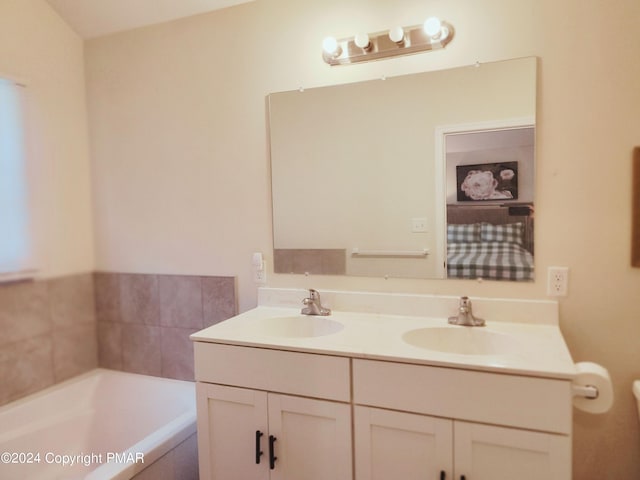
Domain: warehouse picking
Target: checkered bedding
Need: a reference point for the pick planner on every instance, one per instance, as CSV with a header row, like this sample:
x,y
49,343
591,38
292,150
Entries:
x,y
490,260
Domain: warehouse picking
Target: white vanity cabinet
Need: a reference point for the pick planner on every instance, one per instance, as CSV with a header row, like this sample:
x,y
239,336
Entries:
x,y
413,443
250,427
485,452
362,403
415,447
276,415
390,444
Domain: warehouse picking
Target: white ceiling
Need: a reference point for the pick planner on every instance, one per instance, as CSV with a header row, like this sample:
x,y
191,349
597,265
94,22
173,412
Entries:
x,y
94,18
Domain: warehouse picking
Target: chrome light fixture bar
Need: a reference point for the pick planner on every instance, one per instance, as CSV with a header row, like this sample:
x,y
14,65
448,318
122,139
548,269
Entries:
x,y
432,35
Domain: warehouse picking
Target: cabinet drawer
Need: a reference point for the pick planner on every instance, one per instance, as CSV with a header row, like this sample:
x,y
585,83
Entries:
x,y
524,402
320,376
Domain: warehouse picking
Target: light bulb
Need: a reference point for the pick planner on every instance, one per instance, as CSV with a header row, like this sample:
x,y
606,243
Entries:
x,y
330,46
432,27
396,34
362,41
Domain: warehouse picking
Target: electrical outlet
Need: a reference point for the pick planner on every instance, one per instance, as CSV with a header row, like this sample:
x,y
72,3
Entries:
x,y
259,270
557,281
260,275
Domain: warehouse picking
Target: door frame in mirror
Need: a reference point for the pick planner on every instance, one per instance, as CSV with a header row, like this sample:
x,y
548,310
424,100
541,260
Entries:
x,y
441,132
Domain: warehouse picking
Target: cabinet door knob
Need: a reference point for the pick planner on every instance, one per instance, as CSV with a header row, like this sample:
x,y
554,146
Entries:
x,y
272,452
258,451
443,475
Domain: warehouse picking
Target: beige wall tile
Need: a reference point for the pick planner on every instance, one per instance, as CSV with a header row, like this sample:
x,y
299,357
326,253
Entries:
x,y
145,320
139,299
310,260
71,300
24,311
75,351
177,353
107,296
218,299
110,345
25,367
141,349
180,301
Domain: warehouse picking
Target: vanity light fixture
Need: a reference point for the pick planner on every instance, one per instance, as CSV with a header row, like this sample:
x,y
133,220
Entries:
x,y
362,41
433,34
396,35
331,48
433,27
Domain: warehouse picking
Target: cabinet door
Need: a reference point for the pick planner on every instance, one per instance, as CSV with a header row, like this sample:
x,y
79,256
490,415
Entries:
x,y
484,452
313,438
228,419
401,445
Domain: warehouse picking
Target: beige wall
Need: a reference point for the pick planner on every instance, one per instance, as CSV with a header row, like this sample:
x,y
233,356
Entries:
x,y
181,175
40,50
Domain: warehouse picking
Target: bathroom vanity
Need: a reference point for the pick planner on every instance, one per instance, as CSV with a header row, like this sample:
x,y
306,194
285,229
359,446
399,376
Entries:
x,y
384,388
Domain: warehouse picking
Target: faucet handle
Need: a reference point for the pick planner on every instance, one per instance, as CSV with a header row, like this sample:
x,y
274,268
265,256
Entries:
x,y
314,296
465,305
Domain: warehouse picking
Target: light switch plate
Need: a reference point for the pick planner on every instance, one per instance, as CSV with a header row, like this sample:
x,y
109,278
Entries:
x,y
419,224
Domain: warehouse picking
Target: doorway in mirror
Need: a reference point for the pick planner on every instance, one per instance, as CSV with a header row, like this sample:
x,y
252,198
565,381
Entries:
x,y
490,186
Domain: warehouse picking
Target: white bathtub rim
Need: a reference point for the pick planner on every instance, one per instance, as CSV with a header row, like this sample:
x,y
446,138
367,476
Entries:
x,y
34,425
50,389
154,445
78,378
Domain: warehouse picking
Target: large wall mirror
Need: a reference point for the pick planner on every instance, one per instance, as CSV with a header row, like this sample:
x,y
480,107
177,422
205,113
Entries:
x,y
427,175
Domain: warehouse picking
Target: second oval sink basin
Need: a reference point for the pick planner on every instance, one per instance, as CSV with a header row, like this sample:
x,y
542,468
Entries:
x,y
298,326
462,340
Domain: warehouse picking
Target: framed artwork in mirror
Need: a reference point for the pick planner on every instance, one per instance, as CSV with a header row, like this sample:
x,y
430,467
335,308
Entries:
x,y
489,181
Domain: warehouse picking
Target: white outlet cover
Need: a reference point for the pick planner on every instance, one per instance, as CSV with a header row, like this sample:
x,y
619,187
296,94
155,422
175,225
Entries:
x,y
557,281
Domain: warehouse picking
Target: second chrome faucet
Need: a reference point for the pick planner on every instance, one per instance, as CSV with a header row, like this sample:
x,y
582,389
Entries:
x,y
465,315
313,305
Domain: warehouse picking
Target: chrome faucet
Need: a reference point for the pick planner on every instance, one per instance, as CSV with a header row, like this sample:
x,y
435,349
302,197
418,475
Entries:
x,y
314,305
465,315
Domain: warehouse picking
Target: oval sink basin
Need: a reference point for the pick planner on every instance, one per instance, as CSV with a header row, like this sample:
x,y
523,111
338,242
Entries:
x,y
462,340
299,326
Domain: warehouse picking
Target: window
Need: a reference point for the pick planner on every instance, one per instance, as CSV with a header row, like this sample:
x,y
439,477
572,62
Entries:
x,y
16,243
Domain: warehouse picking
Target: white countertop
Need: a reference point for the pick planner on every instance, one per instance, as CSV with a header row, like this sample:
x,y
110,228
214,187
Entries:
x,y
539,348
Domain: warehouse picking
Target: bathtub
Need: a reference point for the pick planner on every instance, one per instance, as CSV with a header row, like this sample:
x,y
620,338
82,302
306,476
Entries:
x,y
103,424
